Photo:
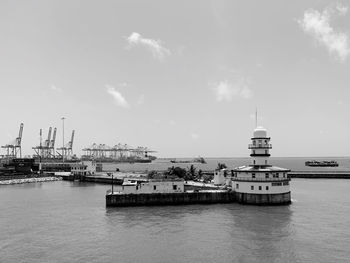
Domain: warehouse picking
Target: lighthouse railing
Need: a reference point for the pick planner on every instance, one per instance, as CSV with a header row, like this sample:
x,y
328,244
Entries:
x,y
260,146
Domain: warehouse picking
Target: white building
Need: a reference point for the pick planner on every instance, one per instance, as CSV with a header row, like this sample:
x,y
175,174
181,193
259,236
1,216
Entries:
x,y
152,186
260,182
222,177
86,168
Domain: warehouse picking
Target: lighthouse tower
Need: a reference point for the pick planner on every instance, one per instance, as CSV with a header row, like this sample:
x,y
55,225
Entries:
x,y
260,182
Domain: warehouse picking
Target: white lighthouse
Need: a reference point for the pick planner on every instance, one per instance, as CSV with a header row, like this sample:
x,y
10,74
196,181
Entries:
x,y
260,182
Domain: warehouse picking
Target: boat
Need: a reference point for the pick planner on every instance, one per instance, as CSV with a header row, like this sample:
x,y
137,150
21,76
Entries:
x,y
129,159
195,160
322,163
120,153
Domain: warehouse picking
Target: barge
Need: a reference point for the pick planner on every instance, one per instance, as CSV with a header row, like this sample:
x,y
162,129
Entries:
x,y
322,163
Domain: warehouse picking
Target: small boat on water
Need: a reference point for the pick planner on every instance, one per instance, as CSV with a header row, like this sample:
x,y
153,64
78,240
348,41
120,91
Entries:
x,y
322,163
195,160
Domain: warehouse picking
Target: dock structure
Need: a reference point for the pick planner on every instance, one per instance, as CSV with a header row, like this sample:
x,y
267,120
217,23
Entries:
x,y
320,174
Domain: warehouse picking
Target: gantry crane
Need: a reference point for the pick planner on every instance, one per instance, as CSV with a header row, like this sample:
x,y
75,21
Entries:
x,y
46,149
67,149
14,148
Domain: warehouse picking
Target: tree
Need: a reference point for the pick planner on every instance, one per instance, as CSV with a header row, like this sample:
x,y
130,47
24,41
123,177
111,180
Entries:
x,y
152,174
200,174
208,177
176,171
221,166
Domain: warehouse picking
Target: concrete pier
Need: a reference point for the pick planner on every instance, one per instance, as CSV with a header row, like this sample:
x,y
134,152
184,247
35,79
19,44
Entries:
x,y
320,174
196,197
200,197
263,199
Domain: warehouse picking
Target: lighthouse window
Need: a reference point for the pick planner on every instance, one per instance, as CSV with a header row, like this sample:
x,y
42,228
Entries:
x,y
267,176
267,188
253,175
175,187
252,187
260,188
237,186
154,187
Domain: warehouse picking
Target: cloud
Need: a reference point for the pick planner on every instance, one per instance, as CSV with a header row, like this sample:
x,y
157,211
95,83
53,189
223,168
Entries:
x,y
342,10
117,96
317,24
225,91
56,89
155,46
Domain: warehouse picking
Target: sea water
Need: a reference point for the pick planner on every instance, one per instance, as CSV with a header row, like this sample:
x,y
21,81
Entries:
x,y
68,222
295,164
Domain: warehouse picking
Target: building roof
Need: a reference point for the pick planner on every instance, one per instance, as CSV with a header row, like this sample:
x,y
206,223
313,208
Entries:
x,y
251,168
260,132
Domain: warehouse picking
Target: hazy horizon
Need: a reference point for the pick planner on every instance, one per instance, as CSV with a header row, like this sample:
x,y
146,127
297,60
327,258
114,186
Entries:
x,y
183,78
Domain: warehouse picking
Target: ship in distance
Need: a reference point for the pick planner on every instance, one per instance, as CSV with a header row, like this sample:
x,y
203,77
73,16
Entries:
x,y
195,160
322,163
120,153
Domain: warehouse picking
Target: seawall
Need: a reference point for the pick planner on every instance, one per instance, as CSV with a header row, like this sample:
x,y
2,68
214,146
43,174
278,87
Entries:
x,y
320,174
263,199
93,179
204,197
200,197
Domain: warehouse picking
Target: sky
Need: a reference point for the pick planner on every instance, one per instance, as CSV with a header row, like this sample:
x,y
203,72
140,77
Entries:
x,y
183,78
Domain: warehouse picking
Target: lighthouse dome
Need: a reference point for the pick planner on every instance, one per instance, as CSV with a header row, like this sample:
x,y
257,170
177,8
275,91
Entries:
x,y
260,132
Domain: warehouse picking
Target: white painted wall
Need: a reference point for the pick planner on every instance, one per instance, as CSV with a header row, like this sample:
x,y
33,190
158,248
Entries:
x,y
148,187
245,187
219,177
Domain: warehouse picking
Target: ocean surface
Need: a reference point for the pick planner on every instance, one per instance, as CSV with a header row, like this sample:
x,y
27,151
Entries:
x,y
293,163
68,222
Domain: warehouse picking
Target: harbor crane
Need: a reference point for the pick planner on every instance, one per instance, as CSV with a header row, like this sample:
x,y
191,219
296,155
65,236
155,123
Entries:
x,y
52,143
67,150
46,149
15,147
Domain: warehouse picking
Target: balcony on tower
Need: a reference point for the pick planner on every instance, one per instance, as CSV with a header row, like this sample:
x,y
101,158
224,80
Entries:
x,y
260,146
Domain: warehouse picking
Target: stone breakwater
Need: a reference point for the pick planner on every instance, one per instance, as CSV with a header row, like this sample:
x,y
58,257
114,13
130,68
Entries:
x,y
30,180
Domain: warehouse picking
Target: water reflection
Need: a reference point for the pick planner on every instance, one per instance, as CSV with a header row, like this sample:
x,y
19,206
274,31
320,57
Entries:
x,y
265,231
